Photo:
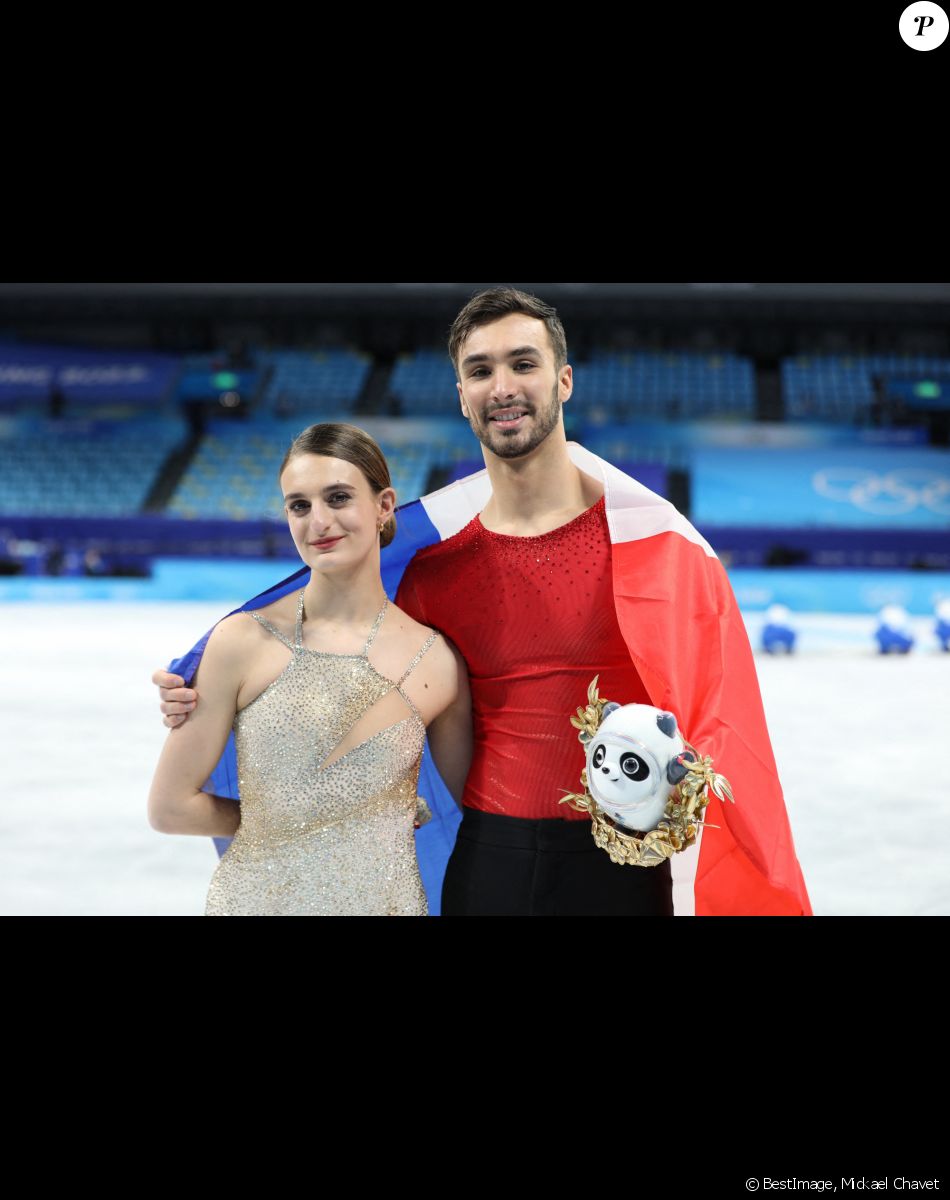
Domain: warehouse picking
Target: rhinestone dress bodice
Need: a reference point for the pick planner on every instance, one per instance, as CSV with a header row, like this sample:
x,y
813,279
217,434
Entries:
x,y
318,837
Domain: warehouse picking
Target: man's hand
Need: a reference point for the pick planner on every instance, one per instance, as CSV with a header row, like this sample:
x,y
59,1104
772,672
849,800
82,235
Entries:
x,y
177,700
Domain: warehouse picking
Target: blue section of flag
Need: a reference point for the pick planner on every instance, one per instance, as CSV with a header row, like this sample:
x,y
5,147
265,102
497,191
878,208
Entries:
x,y
434,841
414,531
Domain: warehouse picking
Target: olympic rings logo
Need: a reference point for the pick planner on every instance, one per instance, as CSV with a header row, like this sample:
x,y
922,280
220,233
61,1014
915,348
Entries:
x,y
889,495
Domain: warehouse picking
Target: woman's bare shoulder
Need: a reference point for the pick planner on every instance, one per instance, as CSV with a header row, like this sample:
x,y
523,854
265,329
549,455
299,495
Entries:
x,y
227,638
441,659
282,614
449,662
239,634
407,627
442,651
408,637
436,679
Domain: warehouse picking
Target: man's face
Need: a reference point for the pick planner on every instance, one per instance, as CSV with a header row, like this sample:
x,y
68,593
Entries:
x,y
509,388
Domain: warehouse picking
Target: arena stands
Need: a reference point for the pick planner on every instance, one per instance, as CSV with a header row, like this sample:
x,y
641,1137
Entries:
x,y
313,384
82,468
668,386
853,389
849,471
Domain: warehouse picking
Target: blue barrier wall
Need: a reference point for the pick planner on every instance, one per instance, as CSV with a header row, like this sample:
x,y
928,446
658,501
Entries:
x,y
805,591
231,581
843,487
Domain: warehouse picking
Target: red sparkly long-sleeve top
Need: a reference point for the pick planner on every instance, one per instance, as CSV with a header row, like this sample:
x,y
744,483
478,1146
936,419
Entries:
x,y
534,619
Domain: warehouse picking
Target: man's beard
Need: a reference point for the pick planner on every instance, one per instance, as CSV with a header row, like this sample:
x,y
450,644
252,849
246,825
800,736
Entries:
x,y
516,445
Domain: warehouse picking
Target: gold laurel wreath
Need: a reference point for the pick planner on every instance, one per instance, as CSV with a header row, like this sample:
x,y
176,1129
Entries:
x,y
682,817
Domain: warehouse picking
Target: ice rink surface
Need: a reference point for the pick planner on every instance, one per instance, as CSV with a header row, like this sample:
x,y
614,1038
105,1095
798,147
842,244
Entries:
x,y
860,740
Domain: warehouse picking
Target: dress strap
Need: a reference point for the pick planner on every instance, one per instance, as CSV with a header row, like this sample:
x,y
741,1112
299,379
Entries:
x,y
415,662
298,626
376,624
272,629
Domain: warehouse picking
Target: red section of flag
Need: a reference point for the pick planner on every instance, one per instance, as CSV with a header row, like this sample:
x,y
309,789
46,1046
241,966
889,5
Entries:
x,y
685,633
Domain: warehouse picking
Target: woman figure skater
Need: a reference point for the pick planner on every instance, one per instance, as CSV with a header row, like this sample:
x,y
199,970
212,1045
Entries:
x,y
330,691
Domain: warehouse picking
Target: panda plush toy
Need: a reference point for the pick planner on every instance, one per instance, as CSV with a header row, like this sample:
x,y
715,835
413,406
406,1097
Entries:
x,y
634,761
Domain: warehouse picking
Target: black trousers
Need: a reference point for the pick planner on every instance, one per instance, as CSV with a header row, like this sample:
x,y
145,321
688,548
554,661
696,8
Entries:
x,y
509,866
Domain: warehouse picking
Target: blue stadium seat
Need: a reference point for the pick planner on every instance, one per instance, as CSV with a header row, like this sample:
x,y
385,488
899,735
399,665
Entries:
x,y
83,468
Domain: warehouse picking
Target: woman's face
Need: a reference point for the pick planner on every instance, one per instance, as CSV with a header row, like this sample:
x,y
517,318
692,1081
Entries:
x,y
333,513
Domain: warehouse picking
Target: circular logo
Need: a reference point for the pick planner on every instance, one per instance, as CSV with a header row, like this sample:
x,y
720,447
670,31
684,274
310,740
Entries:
x,y
924,25
889,495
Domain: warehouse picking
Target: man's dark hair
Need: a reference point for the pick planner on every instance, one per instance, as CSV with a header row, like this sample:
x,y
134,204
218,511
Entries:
x,y
495,303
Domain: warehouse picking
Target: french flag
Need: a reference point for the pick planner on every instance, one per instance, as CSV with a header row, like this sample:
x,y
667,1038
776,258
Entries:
x,y
686,636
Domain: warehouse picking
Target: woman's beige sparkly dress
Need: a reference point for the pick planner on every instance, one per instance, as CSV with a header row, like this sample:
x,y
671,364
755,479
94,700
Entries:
x,y
321,838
